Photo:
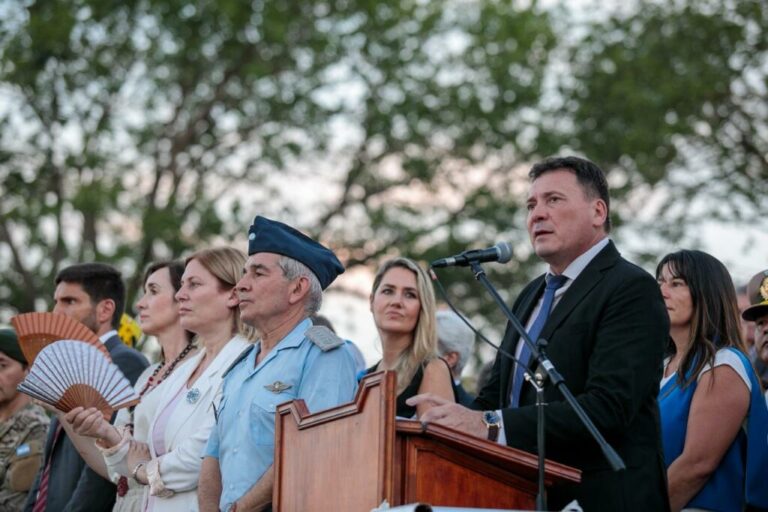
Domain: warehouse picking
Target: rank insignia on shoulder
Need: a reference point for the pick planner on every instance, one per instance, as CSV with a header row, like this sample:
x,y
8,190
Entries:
x,y
323,337
278,387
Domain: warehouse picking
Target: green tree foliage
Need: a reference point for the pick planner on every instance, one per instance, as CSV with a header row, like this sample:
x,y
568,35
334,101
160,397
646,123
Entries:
x,y
140,129
673,95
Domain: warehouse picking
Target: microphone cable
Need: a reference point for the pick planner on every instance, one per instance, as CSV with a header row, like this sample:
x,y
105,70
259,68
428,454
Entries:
x,y
444,295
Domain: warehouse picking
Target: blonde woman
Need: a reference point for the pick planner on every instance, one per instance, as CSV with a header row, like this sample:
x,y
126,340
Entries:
x,y
167,462
403,307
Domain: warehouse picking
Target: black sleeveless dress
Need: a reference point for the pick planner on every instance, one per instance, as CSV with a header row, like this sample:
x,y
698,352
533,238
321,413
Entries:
x,y
404,410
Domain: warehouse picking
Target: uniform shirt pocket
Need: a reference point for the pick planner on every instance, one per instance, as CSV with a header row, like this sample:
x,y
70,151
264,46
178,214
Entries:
x,y
263,409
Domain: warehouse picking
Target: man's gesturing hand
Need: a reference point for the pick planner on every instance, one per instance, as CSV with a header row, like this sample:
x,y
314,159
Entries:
x,y
449,414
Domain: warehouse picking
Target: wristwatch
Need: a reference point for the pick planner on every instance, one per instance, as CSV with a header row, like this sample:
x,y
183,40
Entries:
x,y
493,423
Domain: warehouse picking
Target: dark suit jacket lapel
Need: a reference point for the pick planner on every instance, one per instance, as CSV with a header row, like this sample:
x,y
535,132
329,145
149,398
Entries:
x,y
49,439
587,280
522,312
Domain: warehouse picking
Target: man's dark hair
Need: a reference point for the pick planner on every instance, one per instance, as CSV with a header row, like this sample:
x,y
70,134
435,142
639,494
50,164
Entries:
x,y
590,177
100,281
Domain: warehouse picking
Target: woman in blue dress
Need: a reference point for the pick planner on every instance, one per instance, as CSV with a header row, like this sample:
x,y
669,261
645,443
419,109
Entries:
x,y
714,418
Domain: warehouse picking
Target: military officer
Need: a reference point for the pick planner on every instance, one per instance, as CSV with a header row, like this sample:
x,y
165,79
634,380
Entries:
x,y
22,427
281,288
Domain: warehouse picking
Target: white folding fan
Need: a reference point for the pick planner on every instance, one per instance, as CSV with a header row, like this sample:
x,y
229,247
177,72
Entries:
x,y
70,373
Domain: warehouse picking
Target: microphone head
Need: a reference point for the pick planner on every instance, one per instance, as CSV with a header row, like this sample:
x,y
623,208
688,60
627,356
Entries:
x,y
505,252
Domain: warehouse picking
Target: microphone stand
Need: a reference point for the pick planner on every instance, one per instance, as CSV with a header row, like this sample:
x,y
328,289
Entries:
x,y
557,380
538,383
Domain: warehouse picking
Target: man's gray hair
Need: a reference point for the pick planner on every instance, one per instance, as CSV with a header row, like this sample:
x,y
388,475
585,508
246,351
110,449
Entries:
x,y
453,335
293,269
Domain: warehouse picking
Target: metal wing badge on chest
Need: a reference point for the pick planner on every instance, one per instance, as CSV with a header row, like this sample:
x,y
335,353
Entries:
x,y
277,387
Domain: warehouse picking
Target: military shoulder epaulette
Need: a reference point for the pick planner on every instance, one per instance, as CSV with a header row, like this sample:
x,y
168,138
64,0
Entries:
x,y
323,337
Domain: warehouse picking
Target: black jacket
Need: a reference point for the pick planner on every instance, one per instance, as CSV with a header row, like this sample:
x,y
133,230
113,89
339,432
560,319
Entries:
x,y
606,337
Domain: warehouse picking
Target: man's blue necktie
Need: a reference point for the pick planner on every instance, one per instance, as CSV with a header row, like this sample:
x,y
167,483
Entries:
x,y
553,284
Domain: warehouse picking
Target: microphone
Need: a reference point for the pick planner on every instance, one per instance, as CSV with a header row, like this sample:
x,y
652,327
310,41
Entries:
x,y
501,252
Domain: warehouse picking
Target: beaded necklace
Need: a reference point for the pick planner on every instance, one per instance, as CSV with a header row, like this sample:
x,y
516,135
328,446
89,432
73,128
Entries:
x,y
151,384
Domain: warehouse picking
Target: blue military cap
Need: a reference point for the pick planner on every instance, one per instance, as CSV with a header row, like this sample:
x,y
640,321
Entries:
x,y
267,235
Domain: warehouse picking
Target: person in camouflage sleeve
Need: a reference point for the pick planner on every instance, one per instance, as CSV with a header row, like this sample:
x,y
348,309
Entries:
x,y
22,427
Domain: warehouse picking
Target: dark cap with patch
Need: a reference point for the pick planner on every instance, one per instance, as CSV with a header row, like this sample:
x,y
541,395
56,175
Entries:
x,y
267,235
757,291
9,345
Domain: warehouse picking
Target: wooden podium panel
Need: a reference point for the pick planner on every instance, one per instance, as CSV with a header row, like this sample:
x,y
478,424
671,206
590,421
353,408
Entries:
x,y
338,459
352,457
456,480
441,466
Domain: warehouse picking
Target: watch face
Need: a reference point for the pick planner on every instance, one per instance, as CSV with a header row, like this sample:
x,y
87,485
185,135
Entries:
x,y
491,417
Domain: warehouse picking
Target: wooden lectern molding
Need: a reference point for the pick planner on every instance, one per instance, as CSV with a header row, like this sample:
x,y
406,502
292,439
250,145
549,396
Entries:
x,y
305,419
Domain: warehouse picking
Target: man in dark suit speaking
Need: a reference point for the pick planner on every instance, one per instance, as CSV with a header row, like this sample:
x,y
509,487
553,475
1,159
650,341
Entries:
x,y
606,325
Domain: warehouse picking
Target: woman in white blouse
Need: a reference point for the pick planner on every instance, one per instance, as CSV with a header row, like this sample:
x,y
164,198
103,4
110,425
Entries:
x,y
167,461
158,315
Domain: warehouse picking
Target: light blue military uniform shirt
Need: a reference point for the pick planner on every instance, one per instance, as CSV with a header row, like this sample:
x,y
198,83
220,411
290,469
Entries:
x,y
243,439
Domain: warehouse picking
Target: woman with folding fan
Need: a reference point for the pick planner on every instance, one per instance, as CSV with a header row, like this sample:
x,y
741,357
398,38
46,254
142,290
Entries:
x,y
159,317
164,458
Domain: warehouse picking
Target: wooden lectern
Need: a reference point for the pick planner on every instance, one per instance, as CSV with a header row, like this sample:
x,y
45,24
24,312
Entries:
x,y
355,456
